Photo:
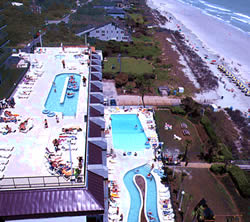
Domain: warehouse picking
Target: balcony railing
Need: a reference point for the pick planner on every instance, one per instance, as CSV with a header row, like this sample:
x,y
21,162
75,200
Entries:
x,y
40,182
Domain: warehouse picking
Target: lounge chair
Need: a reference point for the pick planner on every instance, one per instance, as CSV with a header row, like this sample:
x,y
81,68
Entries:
x,y
2,168
4,162
6,157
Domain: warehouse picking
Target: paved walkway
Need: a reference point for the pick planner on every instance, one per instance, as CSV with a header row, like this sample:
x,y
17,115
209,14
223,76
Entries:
x,y
125,100
196,165
109,91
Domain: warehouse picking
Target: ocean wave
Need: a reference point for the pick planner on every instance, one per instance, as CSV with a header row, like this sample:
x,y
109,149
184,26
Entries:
x,y
216,7
211,10
241,20
242,15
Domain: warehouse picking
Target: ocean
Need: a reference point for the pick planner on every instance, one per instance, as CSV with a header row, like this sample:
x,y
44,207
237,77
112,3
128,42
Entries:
x,y
234,12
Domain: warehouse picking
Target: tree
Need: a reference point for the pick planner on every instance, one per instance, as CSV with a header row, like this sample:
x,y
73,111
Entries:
x,y
143,85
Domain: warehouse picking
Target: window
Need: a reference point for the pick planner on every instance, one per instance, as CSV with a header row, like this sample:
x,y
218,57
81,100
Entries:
x,y
122,32
103,31
116,31
103,34
107,31
97,31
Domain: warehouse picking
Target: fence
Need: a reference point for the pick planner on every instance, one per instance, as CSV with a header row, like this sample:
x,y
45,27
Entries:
x,y
9,183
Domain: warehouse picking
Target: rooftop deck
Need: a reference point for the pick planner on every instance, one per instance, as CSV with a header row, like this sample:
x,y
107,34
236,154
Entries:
x,y
28,162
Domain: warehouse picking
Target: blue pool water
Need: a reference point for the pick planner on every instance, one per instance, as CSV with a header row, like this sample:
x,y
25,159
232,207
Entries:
x,y
69,106
135,199
127,132
59,56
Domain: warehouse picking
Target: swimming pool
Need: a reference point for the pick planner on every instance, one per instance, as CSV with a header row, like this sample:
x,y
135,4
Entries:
x,y
127,132
59,56
135,199
69,106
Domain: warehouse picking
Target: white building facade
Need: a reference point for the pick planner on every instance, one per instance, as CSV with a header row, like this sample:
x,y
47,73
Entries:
x,y
110,32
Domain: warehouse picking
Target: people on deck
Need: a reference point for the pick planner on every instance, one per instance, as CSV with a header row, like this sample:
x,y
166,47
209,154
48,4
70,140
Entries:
x,y
63,63
121,217
57,119
45,123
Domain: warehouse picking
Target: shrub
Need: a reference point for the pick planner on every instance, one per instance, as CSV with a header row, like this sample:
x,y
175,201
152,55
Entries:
x,y
149,76
177,110
107,75
131,77
239,178
209,129
224,151
121,79
218,168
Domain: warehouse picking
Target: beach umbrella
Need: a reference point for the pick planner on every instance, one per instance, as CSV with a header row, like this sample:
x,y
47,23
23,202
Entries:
x,y
248,93
242,86
227,73
230,75
244,90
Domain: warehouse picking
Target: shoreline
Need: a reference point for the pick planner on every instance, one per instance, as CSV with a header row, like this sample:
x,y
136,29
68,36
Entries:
x,y
226,94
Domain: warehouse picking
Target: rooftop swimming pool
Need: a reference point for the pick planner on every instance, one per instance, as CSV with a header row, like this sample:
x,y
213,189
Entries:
x,y
135,198
58,100
128,133
59,56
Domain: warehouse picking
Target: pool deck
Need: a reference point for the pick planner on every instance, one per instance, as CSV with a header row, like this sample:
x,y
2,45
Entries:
x,y
27,158
119,165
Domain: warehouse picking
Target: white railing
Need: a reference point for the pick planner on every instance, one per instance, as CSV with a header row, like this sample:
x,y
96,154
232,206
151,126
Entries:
x,y
64,90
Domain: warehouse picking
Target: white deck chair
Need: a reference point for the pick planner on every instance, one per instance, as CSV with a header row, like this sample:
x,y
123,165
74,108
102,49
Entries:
x,y
2,168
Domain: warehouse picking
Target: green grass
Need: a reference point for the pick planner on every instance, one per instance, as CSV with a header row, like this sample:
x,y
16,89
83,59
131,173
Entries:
x,y
143,38
167,136
129,65
137,18
162,74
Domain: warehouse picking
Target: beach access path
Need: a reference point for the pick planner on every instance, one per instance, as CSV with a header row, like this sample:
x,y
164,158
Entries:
x,y
109,91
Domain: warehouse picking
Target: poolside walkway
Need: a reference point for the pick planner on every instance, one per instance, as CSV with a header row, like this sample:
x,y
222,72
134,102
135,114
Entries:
x,y
119,165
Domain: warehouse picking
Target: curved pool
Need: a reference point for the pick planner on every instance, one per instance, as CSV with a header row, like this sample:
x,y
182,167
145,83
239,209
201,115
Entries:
x,y
135,199
54,100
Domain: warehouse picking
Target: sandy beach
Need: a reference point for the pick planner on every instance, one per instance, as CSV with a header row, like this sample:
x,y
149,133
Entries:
x,y
212,39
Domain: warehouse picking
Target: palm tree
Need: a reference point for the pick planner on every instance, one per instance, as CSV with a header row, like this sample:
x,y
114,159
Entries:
x,y
143,84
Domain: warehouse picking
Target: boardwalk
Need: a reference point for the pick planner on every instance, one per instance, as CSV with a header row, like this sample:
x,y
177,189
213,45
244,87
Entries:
x,y
128,100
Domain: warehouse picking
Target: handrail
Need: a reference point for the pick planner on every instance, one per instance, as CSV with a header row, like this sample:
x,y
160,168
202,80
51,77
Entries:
x,y
64,90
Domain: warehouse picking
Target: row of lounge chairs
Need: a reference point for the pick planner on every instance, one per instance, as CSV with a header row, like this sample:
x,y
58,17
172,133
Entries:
x,y
5,154
165,205
55,162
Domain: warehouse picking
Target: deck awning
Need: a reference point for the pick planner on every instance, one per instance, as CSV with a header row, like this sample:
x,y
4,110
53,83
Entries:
x,y
22,204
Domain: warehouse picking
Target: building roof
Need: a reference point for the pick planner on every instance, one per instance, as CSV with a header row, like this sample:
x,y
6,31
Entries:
x,y
21,204
99,141
98,121
98,96
99,169
97,107
116,11
96,76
